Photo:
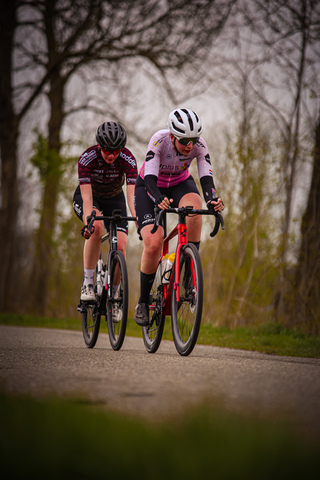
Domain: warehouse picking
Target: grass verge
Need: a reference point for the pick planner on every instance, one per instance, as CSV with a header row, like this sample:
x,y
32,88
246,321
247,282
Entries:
x,y
71,439
271,338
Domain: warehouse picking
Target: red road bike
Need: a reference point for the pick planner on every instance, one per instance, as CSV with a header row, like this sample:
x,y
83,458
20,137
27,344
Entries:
x,y
182,296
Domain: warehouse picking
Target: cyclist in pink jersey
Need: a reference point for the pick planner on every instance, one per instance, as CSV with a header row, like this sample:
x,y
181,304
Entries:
x,y
165,180
102,170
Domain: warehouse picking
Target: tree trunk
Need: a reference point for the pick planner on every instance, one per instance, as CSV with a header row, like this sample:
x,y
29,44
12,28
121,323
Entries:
x,y
307,280
8,144
44,244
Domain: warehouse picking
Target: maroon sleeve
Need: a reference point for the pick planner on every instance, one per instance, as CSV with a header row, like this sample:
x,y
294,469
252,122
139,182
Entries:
x,y
85,165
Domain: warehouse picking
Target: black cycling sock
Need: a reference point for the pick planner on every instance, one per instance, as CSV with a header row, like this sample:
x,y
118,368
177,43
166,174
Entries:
x,y
146,281
196,244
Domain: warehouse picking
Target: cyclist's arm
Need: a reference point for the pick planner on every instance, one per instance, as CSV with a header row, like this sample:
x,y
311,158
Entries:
x,y
209,194
86,193
130,199
208,188
155,194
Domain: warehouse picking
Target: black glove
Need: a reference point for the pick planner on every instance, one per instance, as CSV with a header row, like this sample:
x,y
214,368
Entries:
x,y
83,230
210,205
160,199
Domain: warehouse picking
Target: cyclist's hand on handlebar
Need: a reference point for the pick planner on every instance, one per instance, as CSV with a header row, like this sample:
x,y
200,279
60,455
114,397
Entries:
x,y
164,202
85,232
215,205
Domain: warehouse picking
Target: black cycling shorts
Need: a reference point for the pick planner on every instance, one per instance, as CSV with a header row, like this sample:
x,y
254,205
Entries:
x,y
105,206
145,206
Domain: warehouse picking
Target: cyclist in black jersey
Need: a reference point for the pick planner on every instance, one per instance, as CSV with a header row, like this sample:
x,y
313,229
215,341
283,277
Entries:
x,y
164,180
102,170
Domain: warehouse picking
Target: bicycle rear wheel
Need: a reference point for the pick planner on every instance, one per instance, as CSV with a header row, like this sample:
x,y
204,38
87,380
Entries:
x,y
117,304
152,334
186,314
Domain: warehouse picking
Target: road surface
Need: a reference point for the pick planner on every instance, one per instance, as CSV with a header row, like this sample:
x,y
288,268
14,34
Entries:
x,y
42,362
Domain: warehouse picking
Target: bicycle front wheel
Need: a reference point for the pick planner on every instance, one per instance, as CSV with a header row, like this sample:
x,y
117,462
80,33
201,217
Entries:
x,y
186,313
117,311
152,334
90,319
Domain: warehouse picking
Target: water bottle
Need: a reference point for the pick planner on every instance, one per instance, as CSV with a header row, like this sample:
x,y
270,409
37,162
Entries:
x,y
100,275
166,267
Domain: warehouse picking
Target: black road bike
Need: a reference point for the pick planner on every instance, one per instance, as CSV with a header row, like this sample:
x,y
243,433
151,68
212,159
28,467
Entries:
x,y
110,286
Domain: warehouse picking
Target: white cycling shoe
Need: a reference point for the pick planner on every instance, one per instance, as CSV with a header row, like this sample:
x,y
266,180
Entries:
x,y
87,293
116,313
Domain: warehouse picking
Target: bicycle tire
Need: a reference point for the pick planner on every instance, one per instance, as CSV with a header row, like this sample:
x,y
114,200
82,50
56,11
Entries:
x,y
186,315
152,334
117,330
90,319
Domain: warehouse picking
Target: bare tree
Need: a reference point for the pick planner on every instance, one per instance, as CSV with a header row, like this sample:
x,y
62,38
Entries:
x,y
9,128
285,35
306,294
55,38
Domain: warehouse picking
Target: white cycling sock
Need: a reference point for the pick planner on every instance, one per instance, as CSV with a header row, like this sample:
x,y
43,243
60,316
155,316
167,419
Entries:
x,y
88,276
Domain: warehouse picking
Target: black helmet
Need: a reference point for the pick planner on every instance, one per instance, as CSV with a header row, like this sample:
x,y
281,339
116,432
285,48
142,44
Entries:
x,y
111,136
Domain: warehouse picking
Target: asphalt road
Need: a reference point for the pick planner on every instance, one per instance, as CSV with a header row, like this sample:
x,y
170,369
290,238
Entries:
x,y
42,362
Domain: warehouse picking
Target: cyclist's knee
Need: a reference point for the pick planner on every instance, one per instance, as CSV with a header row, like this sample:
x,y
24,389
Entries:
x,y
191,199
122,242
98,230
152,246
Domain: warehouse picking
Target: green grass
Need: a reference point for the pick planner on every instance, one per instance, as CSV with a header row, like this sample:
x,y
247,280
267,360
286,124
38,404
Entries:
x,y
71,439
271,338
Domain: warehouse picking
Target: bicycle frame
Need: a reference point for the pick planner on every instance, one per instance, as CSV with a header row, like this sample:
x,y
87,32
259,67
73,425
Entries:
x,y
181,230
112,235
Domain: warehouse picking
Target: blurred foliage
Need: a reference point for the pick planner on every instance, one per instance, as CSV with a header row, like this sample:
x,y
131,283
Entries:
x,y
240,263
75,438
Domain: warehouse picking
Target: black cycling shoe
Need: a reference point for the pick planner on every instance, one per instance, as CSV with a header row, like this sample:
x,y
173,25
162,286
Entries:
x,y
141,315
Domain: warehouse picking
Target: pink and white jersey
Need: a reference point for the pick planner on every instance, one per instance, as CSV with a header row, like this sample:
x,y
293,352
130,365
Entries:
x,y
171,167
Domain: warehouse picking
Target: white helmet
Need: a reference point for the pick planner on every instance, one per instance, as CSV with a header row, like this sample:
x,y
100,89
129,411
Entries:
x,y
184,122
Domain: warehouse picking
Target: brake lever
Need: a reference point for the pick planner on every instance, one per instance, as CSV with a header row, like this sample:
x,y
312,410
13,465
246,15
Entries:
x,y
219,221
157,212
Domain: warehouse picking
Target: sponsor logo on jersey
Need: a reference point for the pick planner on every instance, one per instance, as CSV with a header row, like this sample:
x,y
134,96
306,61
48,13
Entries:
x,y
207,158
185,166
157,142
150,155
128,159
172,168
84,180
